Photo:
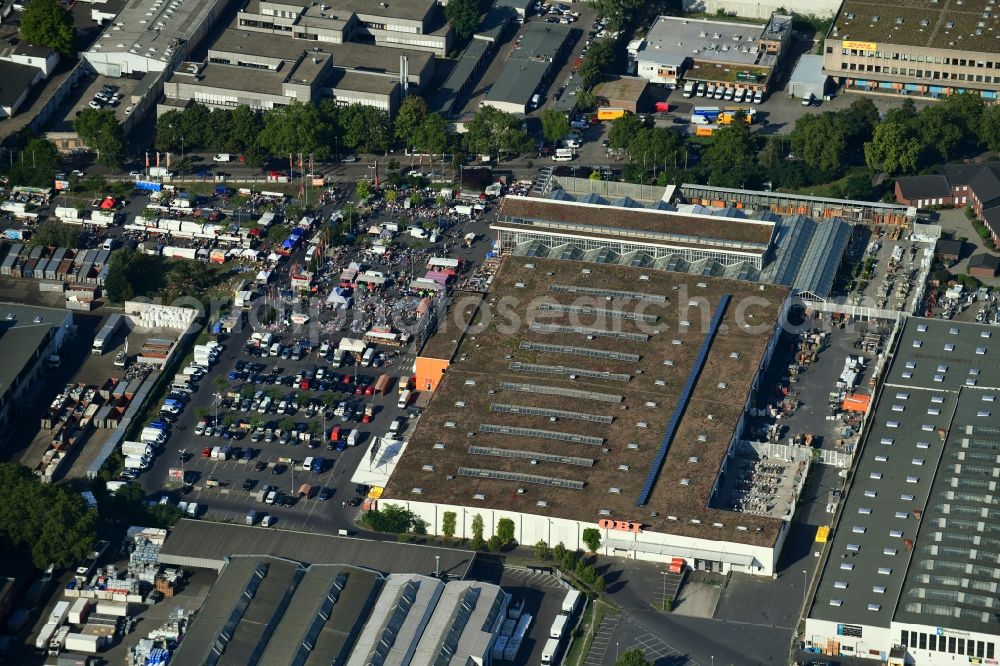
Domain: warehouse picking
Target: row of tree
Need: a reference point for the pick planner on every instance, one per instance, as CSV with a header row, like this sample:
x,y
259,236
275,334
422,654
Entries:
x,y
319,129
52,522
907,141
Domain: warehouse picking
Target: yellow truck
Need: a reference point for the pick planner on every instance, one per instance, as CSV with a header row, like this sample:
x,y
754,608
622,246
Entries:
x,y
609,113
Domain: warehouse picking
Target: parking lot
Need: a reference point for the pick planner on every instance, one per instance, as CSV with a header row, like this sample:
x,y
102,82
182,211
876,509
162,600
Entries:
x,y
246,373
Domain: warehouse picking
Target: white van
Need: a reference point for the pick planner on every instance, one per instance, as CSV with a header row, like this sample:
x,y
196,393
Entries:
x,y
264,404
307,464
404,399
192,509
396,425
369,355
352,439
563,155
535,99
275,349
324,349
689,89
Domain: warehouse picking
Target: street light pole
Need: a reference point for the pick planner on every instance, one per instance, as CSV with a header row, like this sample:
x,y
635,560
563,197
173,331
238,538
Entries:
x,y
805,588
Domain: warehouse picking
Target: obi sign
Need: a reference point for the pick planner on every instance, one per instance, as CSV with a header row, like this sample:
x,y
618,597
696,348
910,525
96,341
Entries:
x,y
619,525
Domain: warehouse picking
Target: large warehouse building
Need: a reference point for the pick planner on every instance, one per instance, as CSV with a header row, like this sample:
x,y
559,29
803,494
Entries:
x,y
269,610
910,573
611,398
658,232
928,48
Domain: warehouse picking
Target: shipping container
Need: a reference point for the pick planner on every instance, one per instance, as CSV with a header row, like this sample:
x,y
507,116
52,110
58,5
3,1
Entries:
x,y
79,611
84,643
113,608
609,113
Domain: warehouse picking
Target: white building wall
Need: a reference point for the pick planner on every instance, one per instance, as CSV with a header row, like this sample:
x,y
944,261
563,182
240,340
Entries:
x,y
764,8
650,71
531,528
823,634
937,657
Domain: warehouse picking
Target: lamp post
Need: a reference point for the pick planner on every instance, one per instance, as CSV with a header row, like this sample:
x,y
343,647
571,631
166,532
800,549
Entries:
x,y
183,454
805,588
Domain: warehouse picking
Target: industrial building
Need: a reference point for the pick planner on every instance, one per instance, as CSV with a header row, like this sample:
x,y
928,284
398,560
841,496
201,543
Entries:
x,y
529,69
31,338
720,53
16,81
563,410
622,92
974,185
264,74
329,613
151,38
314,60
925,49
909,573
416,25
658,233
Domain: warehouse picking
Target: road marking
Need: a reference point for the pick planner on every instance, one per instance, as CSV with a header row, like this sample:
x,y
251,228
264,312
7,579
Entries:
x,y
602,641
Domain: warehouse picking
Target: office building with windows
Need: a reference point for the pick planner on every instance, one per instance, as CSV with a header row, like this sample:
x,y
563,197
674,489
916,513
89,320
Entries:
x,y
910,574
929,49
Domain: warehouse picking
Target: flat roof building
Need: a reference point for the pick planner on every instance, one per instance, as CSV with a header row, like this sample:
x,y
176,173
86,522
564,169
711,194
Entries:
x,y
623,92
16,81
742,55
29,336
269,610
415,25
529,69
912,564
656,232
925,49
156,37
562,416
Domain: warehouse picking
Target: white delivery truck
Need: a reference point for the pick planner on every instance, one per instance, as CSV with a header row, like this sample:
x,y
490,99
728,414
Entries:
x,y
153,436
549,651
369,355
558,627
222,157
140,449
404,399
571,603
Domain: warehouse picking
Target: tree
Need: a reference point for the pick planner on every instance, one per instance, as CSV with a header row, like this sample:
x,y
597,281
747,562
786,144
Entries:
x,y
365,128
592,539
597,59
463,15
860,120
54,233
542,550
634,657
857,186
773,153
494,544
244,129
100,131
393,519
34,165
363,190
432,135
411,115
941,132
555,126
623,130
616,11
48,23
494,132
599,584
448,524
51,521
295,129
820,140
188,278
893,149
559,551
477,532
989,128
731,158
586,101
505,531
